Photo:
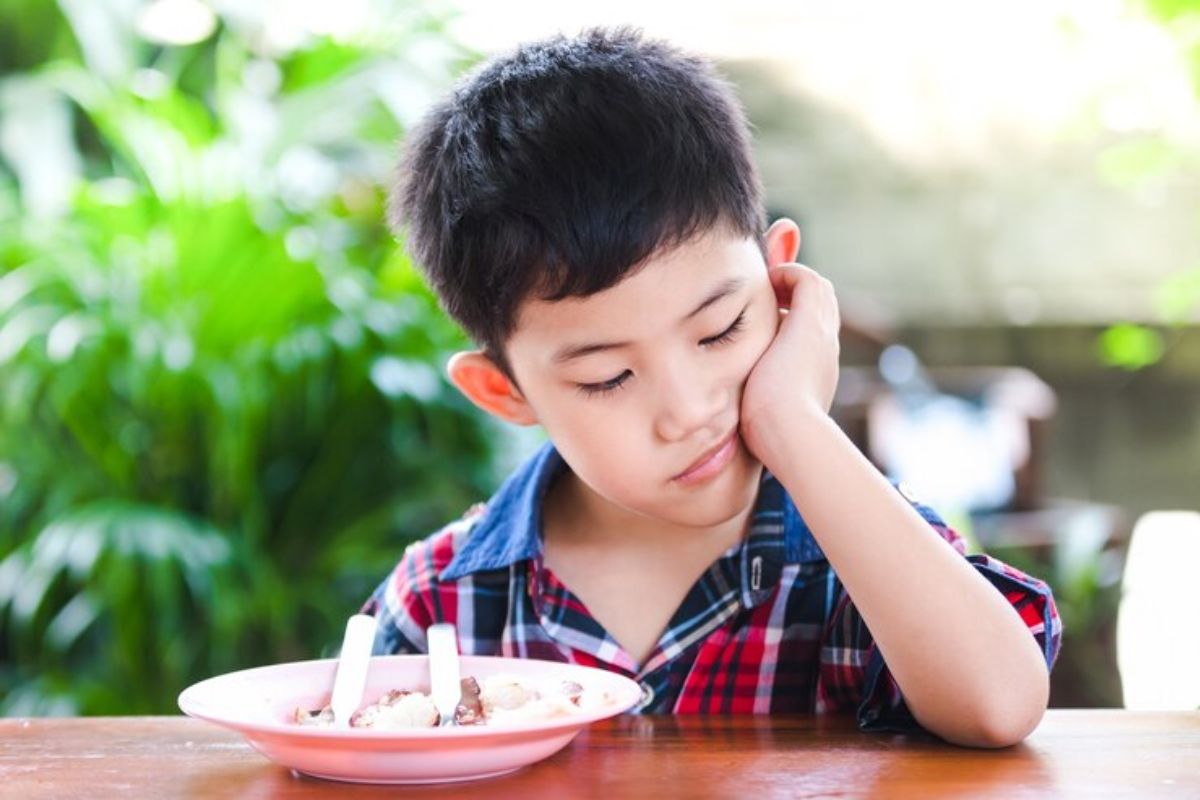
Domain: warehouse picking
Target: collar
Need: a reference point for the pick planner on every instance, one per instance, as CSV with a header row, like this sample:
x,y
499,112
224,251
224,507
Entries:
x,y
509,529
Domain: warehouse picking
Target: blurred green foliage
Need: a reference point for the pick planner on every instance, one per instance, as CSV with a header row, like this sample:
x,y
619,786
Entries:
x,y
1130,346
1184,14
222,415
1133,162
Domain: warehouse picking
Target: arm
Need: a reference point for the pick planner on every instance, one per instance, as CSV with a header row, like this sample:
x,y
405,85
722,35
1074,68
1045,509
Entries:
x,y
968,667
965,661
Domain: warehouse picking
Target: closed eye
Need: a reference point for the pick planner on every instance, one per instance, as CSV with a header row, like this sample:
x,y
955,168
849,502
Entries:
x,y
728,334
612,384
604,387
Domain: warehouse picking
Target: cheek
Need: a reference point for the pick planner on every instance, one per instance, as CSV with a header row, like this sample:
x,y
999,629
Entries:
x,y
598,433
607,452
759,336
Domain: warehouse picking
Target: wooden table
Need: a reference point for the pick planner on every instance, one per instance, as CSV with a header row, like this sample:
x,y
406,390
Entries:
x,y
1085,754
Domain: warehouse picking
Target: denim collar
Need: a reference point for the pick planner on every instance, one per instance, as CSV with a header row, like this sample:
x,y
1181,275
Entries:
x,y
509,529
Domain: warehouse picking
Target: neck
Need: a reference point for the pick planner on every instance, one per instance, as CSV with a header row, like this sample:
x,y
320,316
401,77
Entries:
x,y
573,512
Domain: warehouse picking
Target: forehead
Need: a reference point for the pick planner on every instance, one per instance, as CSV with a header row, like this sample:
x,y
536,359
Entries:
x,y
656,297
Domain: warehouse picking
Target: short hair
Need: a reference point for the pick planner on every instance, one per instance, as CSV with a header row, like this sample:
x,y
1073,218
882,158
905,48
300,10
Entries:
x,y
559,168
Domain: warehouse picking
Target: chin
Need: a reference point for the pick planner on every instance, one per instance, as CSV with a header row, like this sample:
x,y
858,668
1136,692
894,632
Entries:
x,y
719,503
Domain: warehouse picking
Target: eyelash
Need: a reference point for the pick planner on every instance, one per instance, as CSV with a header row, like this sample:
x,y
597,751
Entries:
x,y
724,337
728,334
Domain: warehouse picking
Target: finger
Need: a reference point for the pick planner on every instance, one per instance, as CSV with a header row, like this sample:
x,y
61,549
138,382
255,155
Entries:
x,y
790,281
783,281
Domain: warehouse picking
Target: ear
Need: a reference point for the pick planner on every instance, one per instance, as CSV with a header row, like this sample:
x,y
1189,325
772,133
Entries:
x,y
783,242
486,385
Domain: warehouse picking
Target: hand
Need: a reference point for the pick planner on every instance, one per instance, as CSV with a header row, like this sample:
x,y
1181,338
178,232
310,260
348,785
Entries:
x,y
798,372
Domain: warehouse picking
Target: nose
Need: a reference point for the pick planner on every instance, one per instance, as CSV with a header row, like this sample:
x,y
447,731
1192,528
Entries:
x,y
688,400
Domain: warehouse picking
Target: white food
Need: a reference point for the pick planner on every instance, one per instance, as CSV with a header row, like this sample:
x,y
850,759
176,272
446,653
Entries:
x,y
507,698
398,710
504,698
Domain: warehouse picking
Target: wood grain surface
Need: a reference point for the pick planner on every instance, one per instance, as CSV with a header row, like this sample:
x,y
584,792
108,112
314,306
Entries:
x,y
1074,753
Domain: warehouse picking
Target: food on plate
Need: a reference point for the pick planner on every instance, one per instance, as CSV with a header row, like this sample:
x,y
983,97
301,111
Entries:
x,y
498,699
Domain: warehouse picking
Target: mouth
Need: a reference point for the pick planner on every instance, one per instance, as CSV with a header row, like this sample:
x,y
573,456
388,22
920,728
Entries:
x,y
711,461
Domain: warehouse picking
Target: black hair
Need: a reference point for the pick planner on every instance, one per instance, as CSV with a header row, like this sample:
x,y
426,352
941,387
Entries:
x,y
558,169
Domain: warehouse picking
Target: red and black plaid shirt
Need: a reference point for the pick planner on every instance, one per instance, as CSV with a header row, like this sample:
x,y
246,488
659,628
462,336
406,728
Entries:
x,y
768,628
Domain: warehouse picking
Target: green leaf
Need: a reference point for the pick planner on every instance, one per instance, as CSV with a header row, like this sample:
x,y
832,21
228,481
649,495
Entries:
x,y
1130,347
326,59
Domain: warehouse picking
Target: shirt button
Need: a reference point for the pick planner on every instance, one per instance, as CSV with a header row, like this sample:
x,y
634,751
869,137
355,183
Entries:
x,y
647,697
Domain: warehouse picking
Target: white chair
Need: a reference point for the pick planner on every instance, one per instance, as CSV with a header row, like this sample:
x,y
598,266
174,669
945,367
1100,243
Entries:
x,y
1158,621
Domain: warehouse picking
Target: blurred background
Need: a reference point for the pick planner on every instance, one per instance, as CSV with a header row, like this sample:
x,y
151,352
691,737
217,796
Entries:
x,y
222,406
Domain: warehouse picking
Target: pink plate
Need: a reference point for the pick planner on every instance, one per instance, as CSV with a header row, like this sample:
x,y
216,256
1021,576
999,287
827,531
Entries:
x,y
258,703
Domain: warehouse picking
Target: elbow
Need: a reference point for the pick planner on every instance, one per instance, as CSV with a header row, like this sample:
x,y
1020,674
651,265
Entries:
x,y
1006,729
1001,722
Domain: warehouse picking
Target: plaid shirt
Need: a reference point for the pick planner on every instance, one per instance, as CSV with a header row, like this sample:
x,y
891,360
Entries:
x,y
768,628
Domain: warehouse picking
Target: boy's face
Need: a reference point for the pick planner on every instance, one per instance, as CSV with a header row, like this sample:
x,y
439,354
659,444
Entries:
x,y
639,383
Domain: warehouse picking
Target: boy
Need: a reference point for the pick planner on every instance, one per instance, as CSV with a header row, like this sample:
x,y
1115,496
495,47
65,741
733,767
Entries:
x,y
589,211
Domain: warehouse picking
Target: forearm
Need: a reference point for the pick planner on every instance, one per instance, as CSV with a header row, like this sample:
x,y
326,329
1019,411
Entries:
x,y
968,667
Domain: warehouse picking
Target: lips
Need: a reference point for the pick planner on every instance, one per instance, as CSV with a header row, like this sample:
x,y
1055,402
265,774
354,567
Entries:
x,y
706,457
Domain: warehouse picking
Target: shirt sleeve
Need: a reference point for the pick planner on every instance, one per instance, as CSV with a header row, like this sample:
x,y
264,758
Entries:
x,y
852,674
400,607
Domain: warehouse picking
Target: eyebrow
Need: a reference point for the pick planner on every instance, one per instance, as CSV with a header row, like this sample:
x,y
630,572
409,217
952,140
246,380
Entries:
x,y
573,351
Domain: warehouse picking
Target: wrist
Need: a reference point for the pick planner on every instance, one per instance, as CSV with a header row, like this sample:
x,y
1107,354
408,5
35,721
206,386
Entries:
x,y
777,436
